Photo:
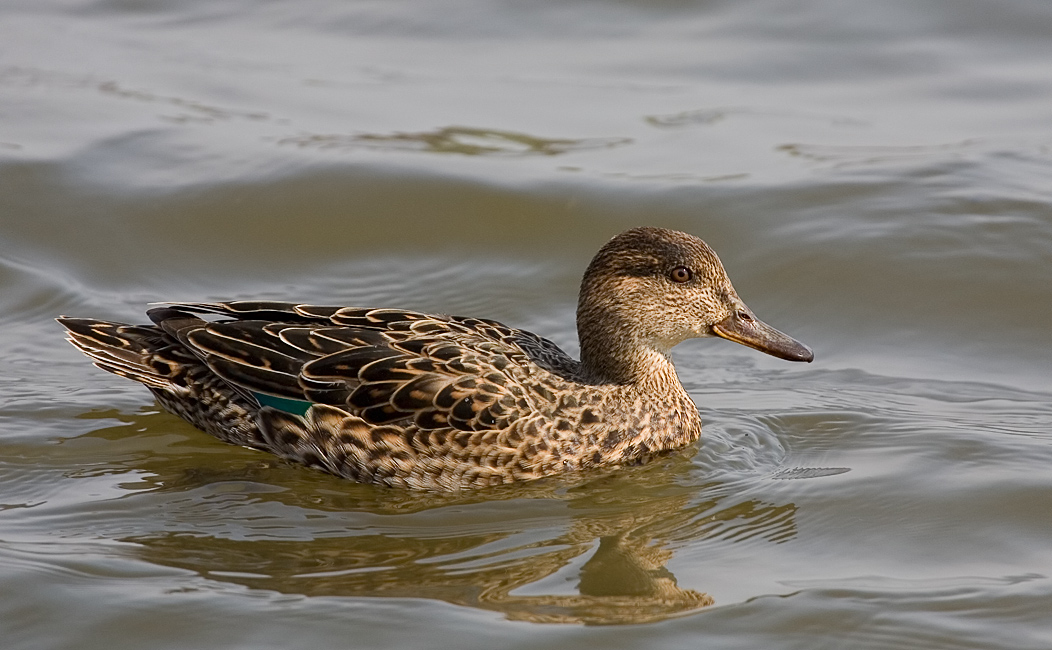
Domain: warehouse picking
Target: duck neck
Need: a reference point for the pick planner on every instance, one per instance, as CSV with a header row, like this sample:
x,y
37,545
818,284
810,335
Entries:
x,y
617,357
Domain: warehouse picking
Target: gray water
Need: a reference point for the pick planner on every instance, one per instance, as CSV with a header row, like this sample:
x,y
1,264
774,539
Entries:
x,y
875,177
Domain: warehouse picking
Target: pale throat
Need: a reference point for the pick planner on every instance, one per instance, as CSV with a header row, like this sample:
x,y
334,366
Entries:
x,y
628,360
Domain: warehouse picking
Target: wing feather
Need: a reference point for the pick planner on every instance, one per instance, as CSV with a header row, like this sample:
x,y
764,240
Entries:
x,y
385,366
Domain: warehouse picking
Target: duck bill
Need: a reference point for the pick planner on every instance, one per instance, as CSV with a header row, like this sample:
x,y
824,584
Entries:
x,y
759,335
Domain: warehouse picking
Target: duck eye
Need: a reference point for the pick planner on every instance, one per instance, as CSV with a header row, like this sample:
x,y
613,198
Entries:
x,y
681,274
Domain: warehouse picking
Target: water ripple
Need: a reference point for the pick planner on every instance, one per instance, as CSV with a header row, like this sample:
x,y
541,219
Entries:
x,y
467,141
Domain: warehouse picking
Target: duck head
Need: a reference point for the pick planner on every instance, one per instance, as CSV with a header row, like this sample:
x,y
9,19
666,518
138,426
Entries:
x,y
649,289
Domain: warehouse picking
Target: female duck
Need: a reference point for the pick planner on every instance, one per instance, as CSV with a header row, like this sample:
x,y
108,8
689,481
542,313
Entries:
x,y
423,401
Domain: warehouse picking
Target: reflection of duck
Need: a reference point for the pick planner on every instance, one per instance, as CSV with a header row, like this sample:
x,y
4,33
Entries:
x,y
591,547
407,399
602,560
624,581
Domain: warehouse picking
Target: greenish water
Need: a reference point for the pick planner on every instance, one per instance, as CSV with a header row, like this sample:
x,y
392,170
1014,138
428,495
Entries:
x,y
874,177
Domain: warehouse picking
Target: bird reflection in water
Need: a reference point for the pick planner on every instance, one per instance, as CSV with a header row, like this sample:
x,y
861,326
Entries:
x,y
594,552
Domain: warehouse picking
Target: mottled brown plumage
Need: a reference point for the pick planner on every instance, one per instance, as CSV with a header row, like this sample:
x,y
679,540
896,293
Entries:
x,y
423,401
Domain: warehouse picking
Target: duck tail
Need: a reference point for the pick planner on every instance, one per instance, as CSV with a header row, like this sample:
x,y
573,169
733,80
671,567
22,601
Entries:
x,y
130,351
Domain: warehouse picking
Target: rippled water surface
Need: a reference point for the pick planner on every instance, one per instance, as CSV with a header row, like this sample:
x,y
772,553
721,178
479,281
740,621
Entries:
x,y
875,176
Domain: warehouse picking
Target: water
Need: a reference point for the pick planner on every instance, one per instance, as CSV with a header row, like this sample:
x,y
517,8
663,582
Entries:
x,y
875,178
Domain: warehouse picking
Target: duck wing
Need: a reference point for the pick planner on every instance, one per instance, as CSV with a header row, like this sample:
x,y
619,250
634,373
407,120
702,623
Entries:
x,y
385,366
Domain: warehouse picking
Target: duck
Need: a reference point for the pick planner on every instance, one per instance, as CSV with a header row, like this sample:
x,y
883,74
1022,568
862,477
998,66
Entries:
x,y
405,399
